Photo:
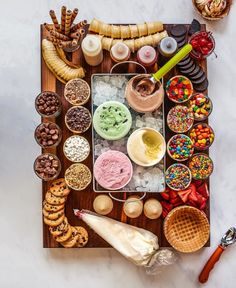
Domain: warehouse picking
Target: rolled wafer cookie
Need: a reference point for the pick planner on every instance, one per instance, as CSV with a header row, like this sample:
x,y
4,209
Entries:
x,y
59,36
63,19
81,24
68,22
74,14
54,20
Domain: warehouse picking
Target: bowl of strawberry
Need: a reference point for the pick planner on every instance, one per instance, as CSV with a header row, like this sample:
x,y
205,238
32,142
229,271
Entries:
x,y
203,45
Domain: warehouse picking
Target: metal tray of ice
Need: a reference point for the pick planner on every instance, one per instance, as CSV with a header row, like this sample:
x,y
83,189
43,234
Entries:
x,y
107,87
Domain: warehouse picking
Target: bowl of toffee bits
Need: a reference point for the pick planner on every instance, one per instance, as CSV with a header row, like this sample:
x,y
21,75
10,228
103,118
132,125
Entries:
x,y
47,166
48,134
48,104
77,92
78,119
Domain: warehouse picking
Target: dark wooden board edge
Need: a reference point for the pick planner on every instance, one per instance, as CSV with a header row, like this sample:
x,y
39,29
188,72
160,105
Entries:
x,y
81,200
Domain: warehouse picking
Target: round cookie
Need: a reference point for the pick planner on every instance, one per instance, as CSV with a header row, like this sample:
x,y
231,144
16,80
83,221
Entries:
x,y
199,80
65,235
201,87
72,240
53,215
58,230
178,30
54,200
59,188
54,222
83,237
52,208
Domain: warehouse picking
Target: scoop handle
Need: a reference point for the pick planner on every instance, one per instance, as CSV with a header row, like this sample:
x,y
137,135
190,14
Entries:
x,y
173,62
203,277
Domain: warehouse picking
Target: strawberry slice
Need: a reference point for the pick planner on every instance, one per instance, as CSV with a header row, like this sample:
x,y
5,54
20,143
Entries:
x,y
184,194
176,201
173,194
203,190
191,203
193,195
167,206
203,204
164,213
197,183
165,195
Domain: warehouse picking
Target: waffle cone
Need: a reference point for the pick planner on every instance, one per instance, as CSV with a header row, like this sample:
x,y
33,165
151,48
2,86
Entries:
x,y
186,229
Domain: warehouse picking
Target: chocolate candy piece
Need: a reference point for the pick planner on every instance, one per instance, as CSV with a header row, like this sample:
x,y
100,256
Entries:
x,y
195,27
201,87
200,80
178,30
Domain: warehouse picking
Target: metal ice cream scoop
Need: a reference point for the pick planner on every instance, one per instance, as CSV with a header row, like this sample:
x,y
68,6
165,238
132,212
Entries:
x,y
228,239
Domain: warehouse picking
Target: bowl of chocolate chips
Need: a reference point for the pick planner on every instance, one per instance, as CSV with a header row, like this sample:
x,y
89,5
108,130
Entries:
x,y
48,134
47,166
78,119
48,104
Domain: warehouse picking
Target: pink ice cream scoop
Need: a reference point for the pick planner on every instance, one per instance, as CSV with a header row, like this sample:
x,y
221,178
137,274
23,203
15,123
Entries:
x,y
113,170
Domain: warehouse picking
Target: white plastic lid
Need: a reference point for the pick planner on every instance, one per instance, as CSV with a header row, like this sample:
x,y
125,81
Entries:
x,y
91,44
120,51
147,54
168,45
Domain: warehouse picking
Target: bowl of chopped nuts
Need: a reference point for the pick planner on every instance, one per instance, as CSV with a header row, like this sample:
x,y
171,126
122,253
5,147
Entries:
x,y
212,9
77,92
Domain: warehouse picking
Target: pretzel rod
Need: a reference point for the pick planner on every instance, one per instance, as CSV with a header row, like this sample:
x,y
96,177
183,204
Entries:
x,y
54,20
59,35
74,14
63,19
81,24
68,22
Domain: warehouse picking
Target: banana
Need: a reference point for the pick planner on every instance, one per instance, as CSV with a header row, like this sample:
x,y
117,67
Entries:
x,y
59,67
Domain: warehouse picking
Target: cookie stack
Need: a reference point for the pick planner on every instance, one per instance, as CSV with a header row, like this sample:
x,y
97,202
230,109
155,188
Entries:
x,y
189,67
54,216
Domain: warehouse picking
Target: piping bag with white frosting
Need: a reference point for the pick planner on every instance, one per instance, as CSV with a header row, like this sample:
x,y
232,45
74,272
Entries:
x,y
136,244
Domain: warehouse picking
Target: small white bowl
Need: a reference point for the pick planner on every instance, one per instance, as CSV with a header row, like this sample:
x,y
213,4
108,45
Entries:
x,y
136,146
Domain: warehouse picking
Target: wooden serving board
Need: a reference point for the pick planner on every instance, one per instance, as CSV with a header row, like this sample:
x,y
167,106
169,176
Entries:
x,y
84,199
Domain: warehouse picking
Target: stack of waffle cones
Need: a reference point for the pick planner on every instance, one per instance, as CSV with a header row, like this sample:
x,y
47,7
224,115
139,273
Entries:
x,y
186,229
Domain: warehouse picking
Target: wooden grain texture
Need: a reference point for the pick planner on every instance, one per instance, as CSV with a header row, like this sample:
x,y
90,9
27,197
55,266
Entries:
x,y
84,199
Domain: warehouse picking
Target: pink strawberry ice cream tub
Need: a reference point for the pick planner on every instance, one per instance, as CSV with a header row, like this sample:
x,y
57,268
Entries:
x,y
113,170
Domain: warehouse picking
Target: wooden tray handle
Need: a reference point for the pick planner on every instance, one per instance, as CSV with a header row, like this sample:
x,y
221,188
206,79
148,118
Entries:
x,y
203,277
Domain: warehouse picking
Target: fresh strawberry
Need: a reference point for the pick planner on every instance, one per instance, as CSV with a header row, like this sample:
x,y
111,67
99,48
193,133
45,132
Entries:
x,y
173,194
203,204
193,195
176,200
192,203
197,183
201,199
165,195
164,213
184,194
203,190
167,206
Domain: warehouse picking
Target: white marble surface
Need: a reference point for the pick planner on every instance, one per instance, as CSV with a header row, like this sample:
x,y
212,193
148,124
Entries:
x,y
23,261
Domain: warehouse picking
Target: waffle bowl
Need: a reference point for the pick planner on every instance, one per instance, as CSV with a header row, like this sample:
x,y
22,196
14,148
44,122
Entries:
x,y
186,229
222,15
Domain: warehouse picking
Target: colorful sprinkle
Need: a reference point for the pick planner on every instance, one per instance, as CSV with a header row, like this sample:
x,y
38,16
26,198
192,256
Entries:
x,y
180,147
178,177
202,136
179,89
180,119
201,166
201,106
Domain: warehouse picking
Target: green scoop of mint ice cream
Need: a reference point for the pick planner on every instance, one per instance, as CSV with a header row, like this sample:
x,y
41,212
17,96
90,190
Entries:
x,y
112,120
